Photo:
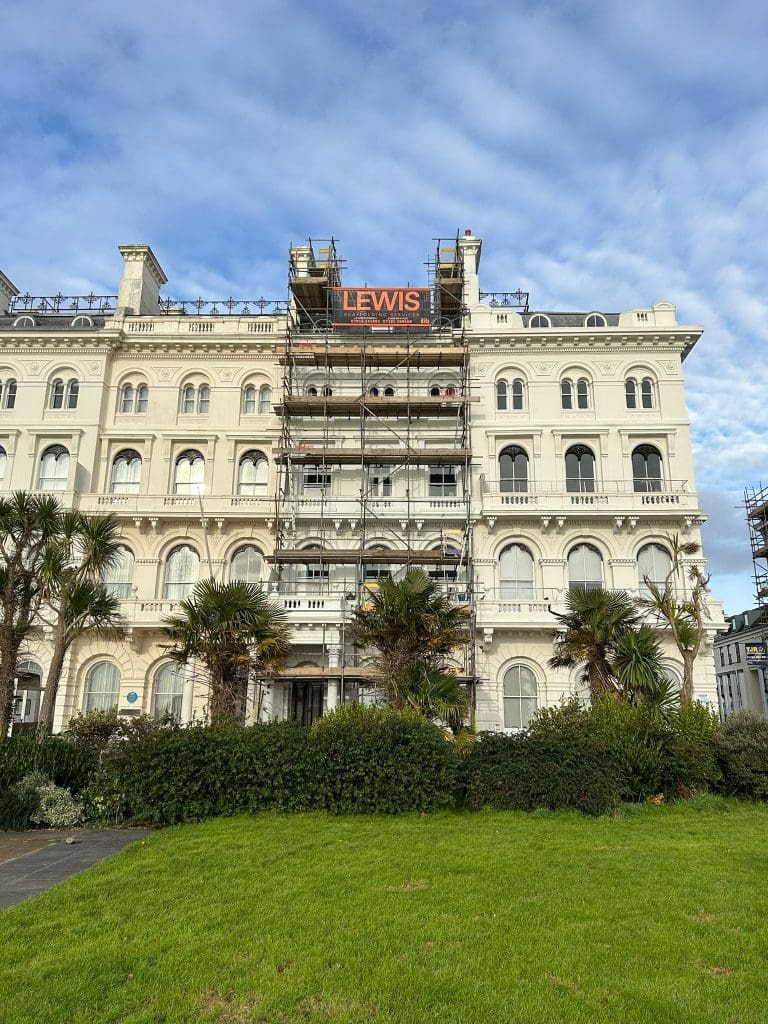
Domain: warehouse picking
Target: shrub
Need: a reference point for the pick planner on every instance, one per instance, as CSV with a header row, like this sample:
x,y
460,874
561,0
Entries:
x,y
384,761
523,773
96,730
62,761
170,776
56,807
691,763
741,748
19,802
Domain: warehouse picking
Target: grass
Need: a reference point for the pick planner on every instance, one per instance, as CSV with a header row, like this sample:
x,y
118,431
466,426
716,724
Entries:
x,y
655,916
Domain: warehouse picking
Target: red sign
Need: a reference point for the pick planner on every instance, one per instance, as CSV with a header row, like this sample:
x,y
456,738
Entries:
x,y
381,307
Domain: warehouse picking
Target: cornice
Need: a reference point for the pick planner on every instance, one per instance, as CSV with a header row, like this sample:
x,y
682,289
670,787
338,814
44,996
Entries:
x,y
677,342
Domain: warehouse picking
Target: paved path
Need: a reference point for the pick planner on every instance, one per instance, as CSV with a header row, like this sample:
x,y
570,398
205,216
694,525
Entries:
x,y
31,862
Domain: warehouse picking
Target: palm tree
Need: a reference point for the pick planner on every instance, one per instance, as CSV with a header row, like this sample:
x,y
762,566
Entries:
x,y
410,623
589,632
27,523
71,567
638,669
434,694
234,629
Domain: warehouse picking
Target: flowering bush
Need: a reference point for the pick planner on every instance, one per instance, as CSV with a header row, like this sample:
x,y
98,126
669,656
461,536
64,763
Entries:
x,y
56,808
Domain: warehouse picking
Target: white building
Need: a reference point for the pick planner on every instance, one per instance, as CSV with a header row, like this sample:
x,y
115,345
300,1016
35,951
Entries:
x,y
315,443
742,679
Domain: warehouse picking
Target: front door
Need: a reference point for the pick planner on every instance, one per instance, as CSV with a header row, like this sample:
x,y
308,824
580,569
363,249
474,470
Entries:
x,y
307,702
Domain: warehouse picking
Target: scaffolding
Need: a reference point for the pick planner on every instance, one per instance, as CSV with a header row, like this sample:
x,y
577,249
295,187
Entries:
x,y
374,453
756,505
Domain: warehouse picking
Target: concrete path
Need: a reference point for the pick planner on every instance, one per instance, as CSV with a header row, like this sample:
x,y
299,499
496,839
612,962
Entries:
x,y
31,862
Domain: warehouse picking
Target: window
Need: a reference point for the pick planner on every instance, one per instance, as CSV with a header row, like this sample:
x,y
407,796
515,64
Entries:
x,y
188,399
539,320
182,570
389,392
566,394
249,400
582,393
126,399
168,691
376,570
520,697
3,462
102,687
379,481
513,470
72,395
313,572
630,393
442,481
579,470
434,391
373,392
57,394
247,564
82,321
265,400
595,320
646,468
189,473
646,393
654,563
501,394
312,391
517,394
515,572
317,476
585,568
54,469
8,394
142,398
24,321
118,577
203,400
253,473
126,472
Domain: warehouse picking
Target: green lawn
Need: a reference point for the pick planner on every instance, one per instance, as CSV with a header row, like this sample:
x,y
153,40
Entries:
x,y
658,916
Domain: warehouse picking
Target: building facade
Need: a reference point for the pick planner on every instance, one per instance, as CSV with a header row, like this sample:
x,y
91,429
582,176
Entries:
x,y
740,664
319,442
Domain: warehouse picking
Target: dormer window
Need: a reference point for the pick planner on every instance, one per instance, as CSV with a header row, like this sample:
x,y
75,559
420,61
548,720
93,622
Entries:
x,y
539,320
82,321
595,320
25,321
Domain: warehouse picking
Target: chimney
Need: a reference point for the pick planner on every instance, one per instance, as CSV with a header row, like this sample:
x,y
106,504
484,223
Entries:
x,y
8,291
139,291
470,248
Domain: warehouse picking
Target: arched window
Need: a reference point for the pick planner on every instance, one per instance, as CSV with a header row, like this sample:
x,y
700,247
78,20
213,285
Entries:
x,y
253,473
82,321
501,394
515,572
630,392
3,461
313,572
582,393
188,399
247,564
102,687
373,392
654,563
595,320
73,393
126,472
434,391
520,697
312,391
265,400
142,398
25,321
566,393
579,470
517,394
168,691
389,392
126,398
203,399
182,570
8,394
646,393
539,320
327,391
54,469
249,400
118,577
513,470
585,568
646,468
56,400
189,473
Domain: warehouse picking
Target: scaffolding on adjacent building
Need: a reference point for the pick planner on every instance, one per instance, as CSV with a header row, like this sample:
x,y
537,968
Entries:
x,y
374,453
756,505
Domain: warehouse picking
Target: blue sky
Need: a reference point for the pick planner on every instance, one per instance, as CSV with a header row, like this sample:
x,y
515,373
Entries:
x,y
609,154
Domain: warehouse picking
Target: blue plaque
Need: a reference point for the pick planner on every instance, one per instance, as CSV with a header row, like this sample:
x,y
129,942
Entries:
x,y
132,697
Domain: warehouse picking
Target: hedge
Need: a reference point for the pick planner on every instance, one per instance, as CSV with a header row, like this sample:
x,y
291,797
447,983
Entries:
x,y
66,763
741,748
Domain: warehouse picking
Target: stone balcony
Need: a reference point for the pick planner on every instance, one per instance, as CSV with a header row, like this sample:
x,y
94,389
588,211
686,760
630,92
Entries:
x,y
179,506
616,498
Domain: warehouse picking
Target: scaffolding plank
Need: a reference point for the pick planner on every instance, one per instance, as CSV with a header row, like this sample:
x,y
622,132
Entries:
x,y
304,556
341,405
301,455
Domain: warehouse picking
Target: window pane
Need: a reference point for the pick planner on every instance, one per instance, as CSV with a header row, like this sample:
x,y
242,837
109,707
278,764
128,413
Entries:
x,y
168,692
249,400
73,392
513,470
203,399
265,400
631,393
102,687
646,393
118,577
126,402
142,398
57,394
585,567
501,394
517,394
247,564
582,393
181,573
188,399
566,394
516,573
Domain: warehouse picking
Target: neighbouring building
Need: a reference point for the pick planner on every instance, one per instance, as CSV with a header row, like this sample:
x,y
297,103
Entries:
x,y
319,442
740,664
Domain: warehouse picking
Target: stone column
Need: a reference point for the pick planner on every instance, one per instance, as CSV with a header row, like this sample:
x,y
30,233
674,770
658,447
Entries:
x,y
470,248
